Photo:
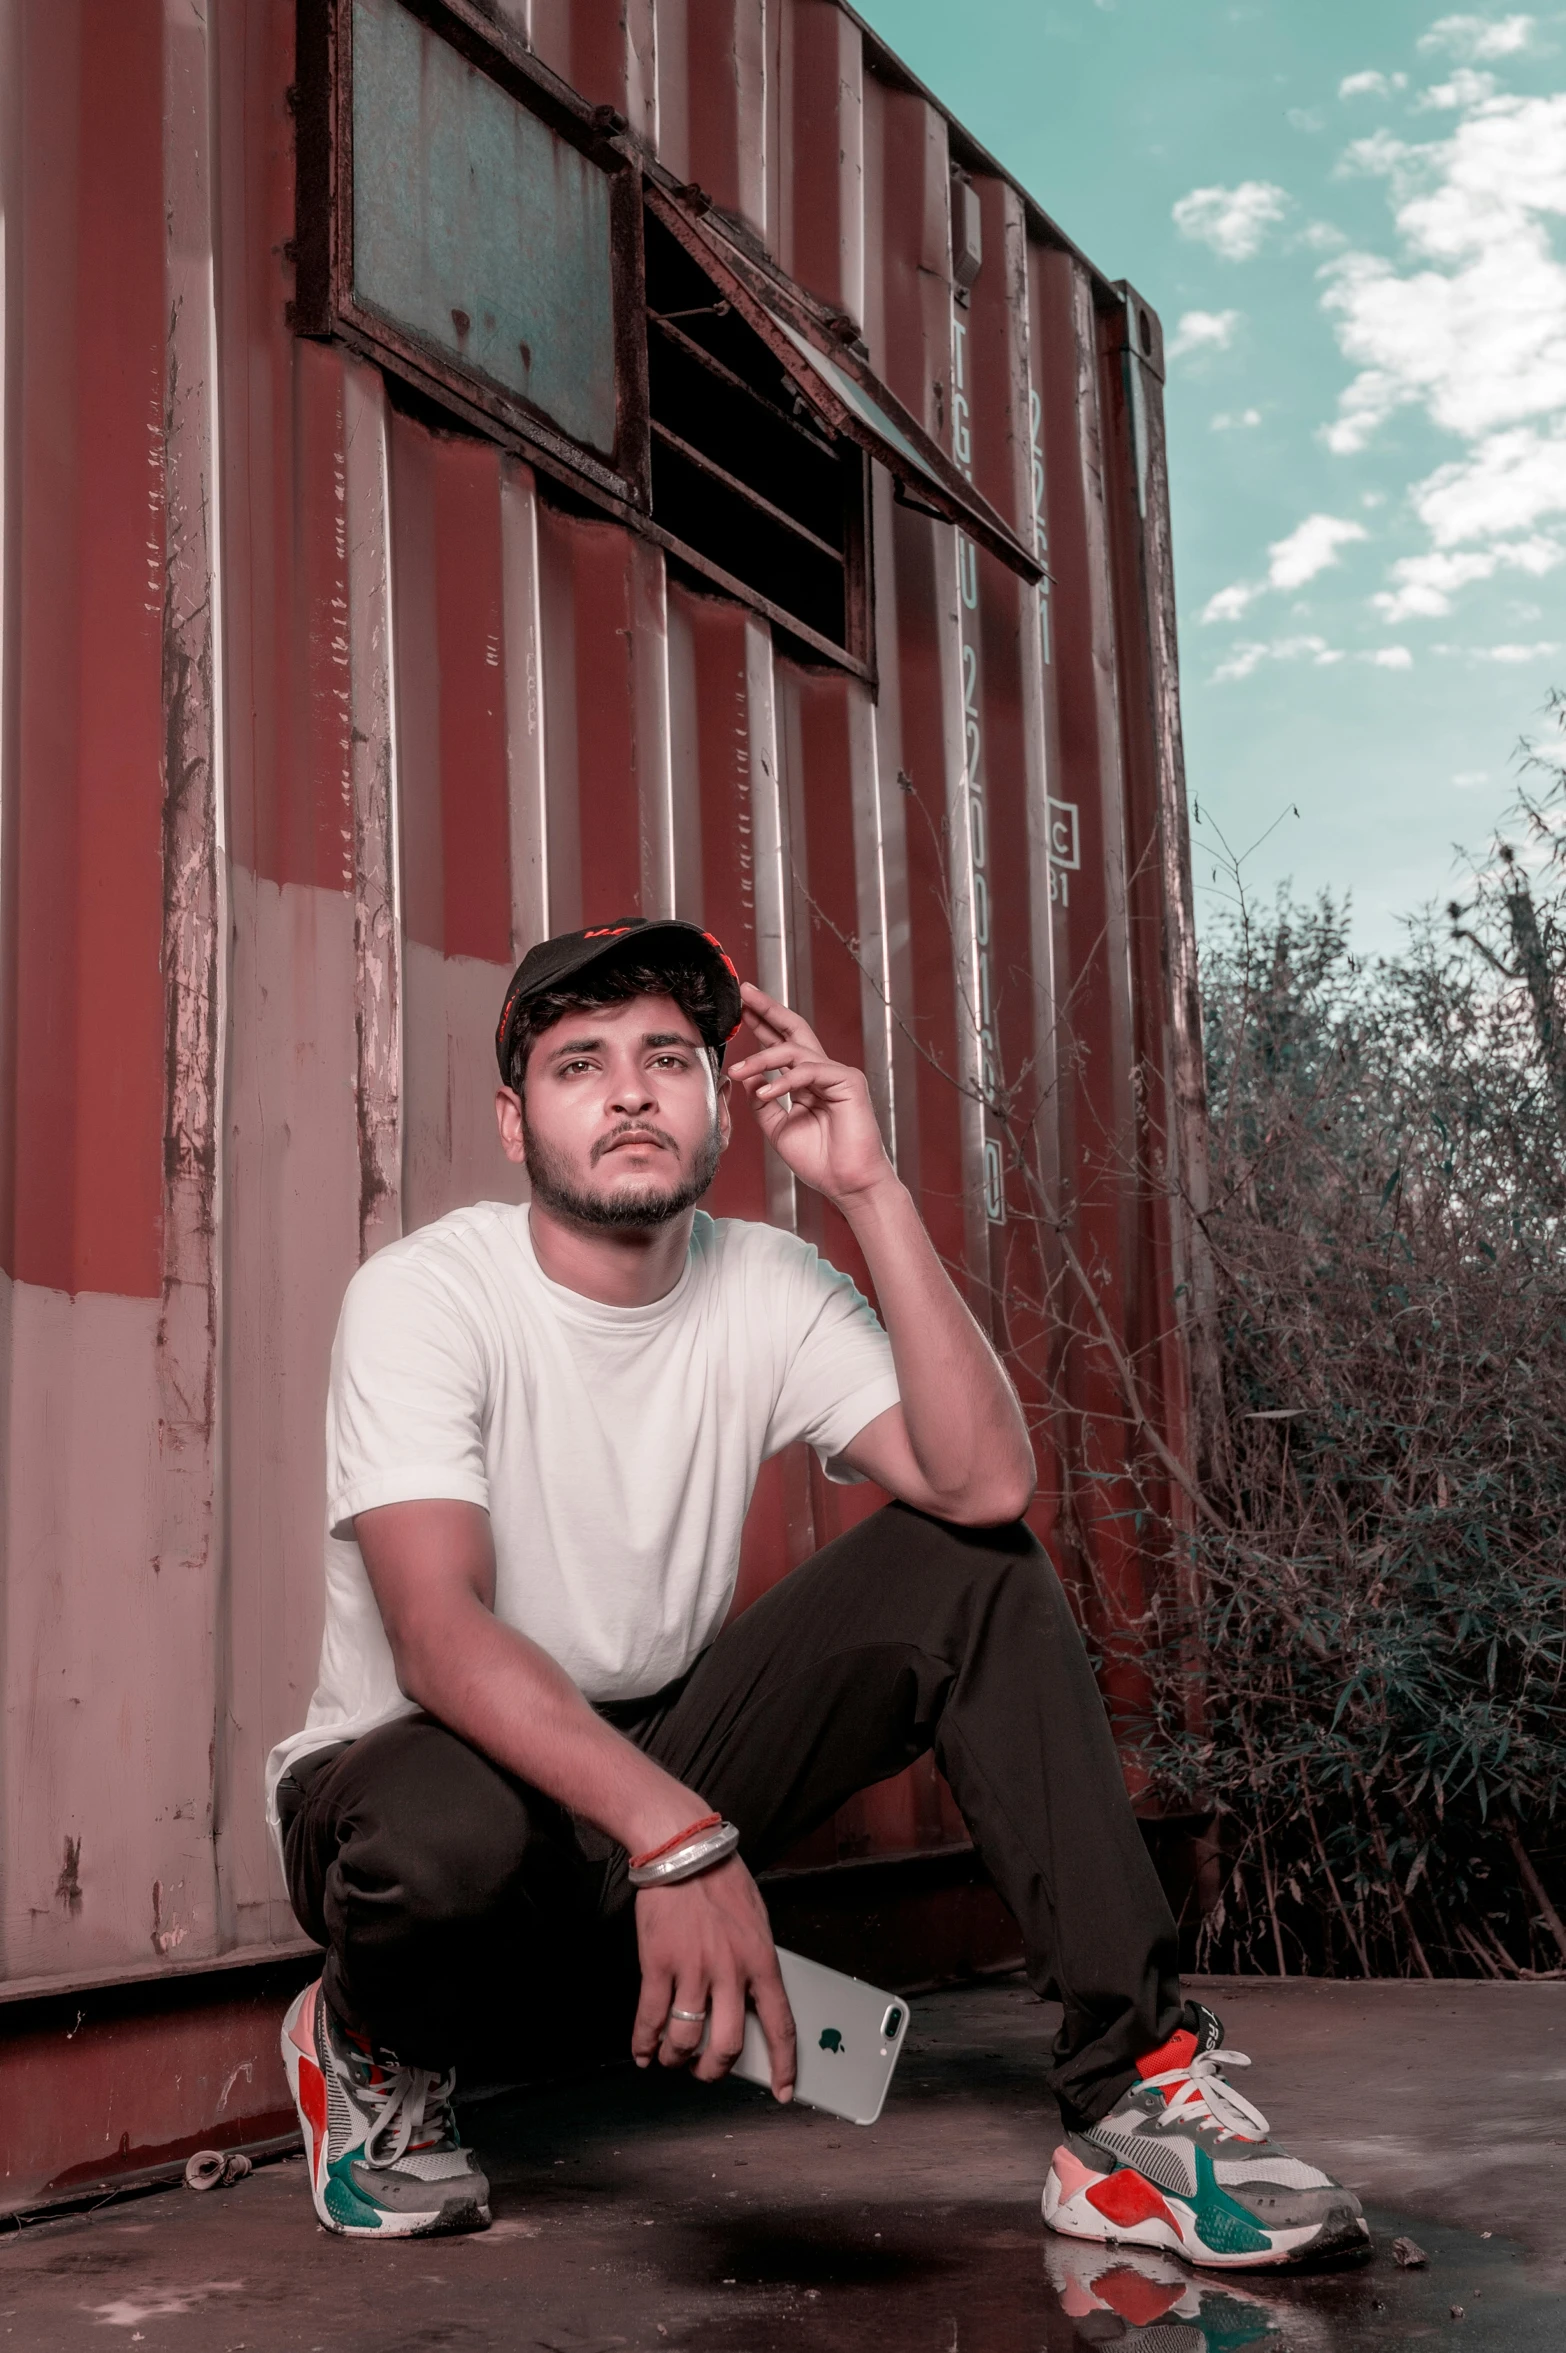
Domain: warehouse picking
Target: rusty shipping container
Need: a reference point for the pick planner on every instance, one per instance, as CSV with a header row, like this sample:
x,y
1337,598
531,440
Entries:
x,y
468,468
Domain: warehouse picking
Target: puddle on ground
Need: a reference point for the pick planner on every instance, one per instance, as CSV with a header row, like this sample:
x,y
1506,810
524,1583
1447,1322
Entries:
x,y
1141,2302
560,2275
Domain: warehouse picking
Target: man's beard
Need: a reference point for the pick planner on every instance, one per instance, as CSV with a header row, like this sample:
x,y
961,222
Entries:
x,y
554,1188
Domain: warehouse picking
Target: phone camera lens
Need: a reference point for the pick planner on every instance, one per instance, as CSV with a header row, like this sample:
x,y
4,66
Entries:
x,y
892,2023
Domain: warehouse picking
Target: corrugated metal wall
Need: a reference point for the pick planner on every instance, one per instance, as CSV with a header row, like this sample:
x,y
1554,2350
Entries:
x,y
312,717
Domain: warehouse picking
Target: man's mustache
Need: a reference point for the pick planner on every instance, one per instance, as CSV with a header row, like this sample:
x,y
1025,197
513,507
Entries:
x,y
632,1129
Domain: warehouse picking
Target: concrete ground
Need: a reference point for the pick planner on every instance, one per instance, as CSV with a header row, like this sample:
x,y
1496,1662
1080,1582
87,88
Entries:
x,y
655,2216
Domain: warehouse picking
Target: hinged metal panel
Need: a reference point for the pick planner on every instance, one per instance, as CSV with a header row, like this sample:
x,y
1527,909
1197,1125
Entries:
x,y
471,226
478,228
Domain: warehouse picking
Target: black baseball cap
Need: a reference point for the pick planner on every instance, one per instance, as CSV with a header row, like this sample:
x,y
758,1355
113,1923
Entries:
x,y
551,963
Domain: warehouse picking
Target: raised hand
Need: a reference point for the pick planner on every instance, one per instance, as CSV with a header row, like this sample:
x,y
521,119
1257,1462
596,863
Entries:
x,y
815,1113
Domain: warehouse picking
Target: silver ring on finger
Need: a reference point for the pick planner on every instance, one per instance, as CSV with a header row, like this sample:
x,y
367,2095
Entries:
x,y
691,2017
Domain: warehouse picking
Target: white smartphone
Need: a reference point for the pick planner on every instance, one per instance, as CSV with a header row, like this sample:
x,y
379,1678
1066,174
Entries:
x,y
850,2038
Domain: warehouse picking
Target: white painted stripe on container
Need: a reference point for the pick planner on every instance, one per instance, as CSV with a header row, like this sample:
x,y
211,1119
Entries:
x,y
1036,685
1110,809
875,962
11,592
10,442
650,725
773,875
196,940
523,657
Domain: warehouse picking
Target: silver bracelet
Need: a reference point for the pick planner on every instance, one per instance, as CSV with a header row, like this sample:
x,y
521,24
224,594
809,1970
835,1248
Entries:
x,y
697,1854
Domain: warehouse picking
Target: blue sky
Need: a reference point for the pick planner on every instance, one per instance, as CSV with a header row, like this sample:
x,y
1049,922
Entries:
x,y
1352,220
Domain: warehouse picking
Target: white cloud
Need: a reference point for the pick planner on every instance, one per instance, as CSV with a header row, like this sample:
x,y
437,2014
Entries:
x,y
1235,420
1371,85
1473,37
1203,330
1248,657
1544,651
1250,654
1230,603
1475,332
1233,221
1424,586
1310,548
1306,118
1467,778
1468,326
1379,155
1512,481
1466,88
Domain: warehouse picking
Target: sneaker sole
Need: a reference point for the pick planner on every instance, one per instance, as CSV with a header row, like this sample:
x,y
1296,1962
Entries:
x,y
307,2083
1123,2208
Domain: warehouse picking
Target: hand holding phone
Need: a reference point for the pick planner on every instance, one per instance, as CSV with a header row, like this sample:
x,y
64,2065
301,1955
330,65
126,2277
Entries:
x,y
850,2037
709,1975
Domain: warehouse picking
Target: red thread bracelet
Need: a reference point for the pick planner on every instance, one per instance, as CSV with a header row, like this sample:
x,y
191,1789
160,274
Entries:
x,y
707,1822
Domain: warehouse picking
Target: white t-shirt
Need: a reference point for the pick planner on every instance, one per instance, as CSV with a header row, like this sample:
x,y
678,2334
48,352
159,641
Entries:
x,y
614,1448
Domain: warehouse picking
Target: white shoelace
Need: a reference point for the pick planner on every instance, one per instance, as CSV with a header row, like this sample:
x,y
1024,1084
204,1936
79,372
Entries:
x,y
407,2098
1203,2092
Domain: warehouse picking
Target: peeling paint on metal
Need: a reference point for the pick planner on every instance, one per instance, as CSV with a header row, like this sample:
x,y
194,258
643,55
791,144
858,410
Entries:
x,y
377,925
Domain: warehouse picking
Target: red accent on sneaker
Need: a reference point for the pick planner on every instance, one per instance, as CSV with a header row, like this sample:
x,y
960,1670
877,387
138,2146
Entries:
x,y
1178,2051
1125,2197
312,2099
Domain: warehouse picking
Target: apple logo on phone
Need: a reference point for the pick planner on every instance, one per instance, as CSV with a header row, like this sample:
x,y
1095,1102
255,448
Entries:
x,y
832,2040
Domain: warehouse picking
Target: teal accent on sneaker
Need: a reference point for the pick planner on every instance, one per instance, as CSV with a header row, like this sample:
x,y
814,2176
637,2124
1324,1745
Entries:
x,y
1223,2222
343,2202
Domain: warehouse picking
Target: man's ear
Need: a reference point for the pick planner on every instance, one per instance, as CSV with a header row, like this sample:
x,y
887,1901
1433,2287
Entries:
x,y
508,1118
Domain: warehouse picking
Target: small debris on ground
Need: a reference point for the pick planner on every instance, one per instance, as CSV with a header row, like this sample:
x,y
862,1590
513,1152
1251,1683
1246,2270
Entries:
x,y
1457,2312
1408,2254
212,2169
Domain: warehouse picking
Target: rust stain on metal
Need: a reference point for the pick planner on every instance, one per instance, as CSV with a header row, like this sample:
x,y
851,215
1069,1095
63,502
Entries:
x,y
68,1887
375,1095
166,1935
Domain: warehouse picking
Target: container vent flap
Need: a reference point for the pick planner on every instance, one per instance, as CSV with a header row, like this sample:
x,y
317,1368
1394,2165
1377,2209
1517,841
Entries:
x,y
914,461
850,399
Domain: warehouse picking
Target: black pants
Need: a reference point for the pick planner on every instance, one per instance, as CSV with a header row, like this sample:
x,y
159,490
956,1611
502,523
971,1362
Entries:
x,y
442,1887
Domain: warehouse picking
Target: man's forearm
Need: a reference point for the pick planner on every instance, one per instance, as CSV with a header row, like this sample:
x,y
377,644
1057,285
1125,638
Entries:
x,y
960,1410
508,1697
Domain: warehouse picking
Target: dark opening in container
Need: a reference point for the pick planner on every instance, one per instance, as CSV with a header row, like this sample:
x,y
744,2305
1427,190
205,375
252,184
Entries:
x,y
743,471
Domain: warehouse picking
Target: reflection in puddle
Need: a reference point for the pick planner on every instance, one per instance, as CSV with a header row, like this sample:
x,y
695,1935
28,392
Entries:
x,y
1144,2302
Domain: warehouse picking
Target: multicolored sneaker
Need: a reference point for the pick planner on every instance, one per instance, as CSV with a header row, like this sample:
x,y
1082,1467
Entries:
x,y
379,2138
1183,2162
